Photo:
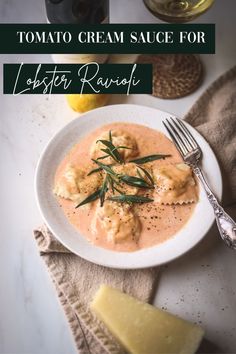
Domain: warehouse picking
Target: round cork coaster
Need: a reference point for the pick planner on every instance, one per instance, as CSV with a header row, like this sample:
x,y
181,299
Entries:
x,y
174,75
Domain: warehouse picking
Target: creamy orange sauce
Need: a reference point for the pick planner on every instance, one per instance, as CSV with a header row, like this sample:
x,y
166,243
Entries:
x,y
159,222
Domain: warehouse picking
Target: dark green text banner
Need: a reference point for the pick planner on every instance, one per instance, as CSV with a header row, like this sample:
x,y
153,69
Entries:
x,y
107,38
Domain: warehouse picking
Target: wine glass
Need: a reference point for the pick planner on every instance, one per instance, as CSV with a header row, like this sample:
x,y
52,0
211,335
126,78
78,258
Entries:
x,y
178,11
176,75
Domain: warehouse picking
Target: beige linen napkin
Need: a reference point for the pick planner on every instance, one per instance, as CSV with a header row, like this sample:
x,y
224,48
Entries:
x,y
214,116
76,280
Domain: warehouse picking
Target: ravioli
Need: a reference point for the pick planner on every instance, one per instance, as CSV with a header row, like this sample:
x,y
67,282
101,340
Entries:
x,y
75,185
119,221
174,184
127,169
139,216
119,138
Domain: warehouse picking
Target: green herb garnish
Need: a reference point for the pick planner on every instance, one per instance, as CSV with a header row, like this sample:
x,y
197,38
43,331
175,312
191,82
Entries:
x,y
103,157
130,198
149,158
112,150
113,179
112,183
91,198
147,174
103,190
94,171
110,136
135,181
104,167
109,153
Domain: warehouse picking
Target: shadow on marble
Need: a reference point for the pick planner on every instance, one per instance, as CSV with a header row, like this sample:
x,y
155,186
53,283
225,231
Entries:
x,y
211,244
207,347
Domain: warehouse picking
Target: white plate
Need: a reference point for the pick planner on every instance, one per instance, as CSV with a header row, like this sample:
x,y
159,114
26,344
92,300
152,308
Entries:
x,y
60,144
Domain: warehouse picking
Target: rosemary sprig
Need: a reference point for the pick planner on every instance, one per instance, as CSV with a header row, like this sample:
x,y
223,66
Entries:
x,y
110,136
135,181
112,183
130,180
147,174
94,171
91,198
150,158
104,167
103,157
118,190
109,153
113,179
103,190
123,147
98,169
130,198
112,149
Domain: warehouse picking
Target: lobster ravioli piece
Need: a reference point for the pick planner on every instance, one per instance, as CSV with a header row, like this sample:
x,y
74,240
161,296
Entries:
x,y
129,169
119,138
119,222
175,184
75,185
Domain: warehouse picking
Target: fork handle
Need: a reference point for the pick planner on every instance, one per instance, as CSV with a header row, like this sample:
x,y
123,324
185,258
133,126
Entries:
x,y
225,224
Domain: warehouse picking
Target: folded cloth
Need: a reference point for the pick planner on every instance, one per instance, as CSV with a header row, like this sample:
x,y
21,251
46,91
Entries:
x,y
77,280
214,116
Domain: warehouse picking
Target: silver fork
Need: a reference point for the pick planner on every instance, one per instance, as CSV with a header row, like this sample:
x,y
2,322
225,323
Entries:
x,y
192,154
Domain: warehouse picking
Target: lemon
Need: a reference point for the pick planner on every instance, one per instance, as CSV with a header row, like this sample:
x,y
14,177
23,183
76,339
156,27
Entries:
x,y
85,102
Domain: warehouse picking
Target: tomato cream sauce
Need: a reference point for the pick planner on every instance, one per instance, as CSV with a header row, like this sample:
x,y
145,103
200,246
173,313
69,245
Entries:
x,y
158,222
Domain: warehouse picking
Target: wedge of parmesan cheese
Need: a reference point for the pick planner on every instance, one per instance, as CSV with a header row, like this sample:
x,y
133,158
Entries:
x,y
142,328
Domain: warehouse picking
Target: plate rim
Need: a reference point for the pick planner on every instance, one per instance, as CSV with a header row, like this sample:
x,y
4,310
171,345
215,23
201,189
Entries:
x,y
65,244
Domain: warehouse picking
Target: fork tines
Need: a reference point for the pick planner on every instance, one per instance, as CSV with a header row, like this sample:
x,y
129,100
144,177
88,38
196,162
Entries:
x,y
181,136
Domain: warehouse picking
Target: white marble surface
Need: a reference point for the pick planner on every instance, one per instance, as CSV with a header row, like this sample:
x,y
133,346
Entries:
x,y
200,286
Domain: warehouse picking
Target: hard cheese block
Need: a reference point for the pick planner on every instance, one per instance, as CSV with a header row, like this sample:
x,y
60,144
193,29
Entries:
x,y
142,328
